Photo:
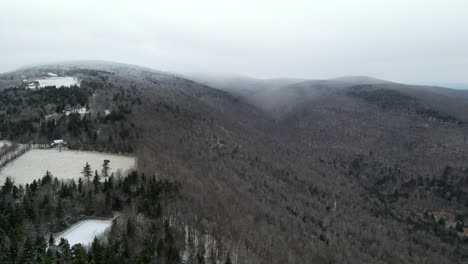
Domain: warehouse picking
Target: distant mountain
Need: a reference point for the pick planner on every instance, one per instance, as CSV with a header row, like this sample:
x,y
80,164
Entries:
x,y
452,85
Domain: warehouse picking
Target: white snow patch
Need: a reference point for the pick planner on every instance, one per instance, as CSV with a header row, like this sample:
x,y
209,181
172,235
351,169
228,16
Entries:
x,y
55,115
4,144
64,165
52,74
81,111
84,232
55,81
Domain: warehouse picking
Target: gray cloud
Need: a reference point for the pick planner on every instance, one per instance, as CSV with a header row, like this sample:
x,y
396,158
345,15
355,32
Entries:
x,y
398,40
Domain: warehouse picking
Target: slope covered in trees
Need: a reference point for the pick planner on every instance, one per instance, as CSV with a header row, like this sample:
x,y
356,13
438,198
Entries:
x,y
31,213
331,171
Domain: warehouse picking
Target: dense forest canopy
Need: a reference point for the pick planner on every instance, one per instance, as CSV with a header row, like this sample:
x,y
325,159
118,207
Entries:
x,y
30,214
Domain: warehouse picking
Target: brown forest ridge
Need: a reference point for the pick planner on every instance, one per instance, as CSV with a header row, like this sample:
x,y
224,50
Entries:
x,y
346,170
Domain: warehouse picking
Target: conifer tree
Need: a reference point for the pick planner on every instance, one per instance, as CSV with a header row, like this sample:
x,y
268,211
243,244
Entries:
x,y
87,172
105,168
47,178
80,185
96,181
28,254
51,240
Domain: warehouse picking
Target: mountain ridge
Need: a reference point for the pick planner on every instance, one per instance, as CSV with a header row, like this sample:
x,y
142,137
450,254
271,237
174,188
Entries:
x,y
333,171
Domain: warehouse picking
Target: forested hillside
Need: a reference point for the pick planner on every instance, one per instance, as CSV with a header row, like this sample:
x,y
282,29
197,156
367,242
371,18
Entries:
x,y
140,235
42,115
351,170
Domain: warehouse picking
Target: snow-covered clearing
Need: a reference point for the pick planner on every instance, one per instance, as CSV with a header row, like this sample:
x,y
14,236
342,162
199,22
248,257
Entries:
x,y
64,165
84,232
56,81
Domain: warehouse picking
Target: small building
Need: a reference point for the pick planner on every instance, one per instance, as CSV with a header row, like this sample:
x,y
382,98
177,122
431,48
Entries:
x,y
58,143
33,85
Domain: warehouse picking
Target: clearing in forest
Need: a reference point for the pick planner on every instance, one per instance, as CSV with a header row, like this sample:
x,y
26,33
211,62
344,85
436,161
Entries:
x,y
54,81
64,165
84,232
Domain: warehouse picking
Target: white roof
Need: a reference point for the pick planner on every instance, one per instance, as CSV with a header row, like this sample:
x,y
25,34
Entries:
x,y
58,141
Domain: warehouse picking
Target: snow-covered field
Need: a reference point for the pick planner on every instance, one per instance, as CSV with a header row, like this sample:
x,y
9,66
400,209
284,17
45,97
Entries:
x,y
63,165
57,82
84,232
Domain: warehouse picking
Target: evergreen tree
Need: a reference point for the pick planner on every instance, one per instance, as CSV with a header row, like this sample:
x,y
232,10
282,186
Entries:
x,y
130,228
87,172
41,246
96,251
33,186
64,250
80,185
96,181
48,177
29,208
7,186
160,247
13,250
105,168
29,254
146,254
59,212
50,257
79,255
126,249
51,241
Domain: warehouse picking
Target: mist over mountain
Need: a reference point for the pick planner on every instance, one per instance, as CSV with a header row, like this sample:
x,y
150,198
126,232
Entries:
x,y
452,85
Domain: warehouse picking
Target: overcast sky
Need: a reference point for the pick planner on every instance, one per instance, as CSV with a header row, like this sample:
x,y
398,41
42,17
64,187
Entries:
x,y
400,40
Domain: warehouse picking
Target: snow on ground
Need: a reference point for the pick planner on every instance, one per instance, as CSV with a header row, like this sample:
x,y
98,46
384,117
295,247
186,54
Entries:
x,y
56,81
64,165
4,144
81,111
84,232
